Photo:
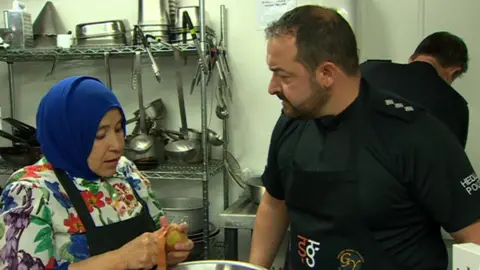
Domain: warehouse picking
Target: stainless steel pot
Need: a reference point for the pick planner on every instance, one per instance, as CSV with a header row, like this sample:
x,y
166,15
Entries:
x,y
216,265
184,209
100,29
198,249
112,40
257,189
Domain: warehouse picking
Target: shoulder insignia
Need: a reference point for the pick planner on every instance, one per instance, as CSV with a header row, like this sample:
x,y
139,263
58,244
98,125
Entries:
x,y
398,108
399,105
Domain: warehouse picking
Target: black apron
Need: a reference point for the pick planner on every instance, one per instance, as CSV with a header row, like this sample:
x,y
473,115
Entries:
x,y
327,228
109,237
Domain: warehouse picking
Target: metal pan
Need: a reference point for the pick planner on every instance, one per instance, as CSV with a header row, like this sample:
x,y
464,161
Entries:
x,y
19,125
19,157
257,189
16,140
22,131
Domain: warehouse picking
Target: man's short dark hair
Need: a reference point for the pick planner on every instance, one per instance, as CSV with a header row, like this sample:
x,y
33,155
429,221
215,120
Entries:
x,y
321,34
448,49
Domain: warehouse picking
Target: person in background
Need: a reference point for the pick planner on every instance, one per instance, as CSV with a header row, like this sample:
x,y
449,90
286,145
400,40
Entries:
x,y
83,205
426,80
363,178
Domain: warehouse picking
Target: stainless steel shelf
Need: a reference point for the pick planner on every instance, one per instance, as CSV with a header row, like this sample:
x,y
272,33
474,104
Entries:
x,y
162,172
85,53
183,172
240,215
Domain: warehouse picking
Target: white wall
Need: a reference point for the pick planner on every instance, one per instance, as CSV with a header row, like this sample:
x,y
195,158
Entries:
x,y
385,28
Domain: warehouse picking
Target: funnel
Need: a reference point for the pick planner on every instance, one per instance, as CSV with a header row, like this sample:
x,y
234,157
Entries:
x,y
48,22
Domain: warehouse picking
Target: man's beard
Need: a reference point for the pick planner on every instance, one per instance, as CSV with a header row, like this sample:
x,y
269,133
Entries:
x,y
310,107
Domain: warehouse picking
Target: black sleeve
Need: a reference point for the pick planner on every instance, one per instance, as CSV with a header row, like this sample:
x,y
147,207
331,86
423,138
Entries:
x,y
456,118
271,175
442,176
464,123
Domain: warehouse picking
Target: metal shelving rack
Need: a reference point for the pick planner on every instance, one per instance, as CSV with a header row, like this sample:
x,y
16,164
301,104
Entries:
x,y
199,172
86,53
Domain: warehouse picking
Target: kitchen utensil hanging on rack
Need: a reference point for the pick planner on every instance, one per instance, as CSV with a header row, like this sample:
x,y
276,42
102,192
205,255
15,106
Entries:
x,y
189,27
221,52
108,73
181,98
221,110
142,146
54,66
184,149
146,45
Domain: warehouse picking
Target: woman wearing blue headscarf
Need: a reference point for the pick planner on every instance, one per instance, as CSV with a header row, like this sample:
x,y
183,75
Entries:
x,y
84,205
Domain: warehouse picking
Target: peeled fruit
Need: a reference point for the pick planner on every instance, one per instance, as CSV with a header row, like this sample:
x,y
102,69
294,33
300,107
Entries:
x,y
174,236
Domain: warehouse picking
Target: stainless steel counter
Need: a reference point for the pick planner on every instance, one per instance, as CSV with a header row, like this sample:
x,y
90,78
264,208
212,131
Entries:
x,y
240,215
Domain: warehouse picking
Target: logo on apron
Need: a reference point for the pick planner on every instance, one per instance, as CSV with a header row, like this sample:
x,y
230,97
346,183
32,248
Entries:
x,y
307,249
350,260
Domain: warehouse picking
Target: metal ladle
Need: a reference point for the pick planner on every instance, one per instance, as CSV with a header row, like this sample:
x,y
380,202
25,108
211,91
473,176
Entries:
x,y
221,110
182,150
142,142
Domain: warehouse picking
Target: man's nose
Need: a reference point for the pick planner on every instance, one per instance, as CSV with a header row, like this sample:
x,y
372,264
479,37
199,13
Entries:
x,y
273,87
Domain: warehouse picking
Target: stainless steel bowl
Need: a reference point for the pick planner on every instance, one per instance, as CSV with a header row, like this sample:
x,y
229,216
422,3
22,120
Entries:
x,y
216,265
257,189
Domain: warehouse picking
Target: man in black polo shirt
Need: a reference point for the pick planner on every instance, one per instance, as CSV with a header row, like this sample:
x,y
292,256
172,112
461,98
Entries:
x,y
426,81
363,177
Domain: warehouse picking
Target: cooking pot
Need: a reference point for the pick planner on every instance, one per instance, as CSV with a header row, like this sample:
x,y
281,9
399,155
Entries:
x,y
197,238
256,187
184,209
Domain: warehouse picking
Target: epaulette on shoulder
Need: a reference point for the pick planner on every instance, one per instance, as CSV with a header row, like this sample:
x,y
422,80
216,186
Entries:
x,y
398,108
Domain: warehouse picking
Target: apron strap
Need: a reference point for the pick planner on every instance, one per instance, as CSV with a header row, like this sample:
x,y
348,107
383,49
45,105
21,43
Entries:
x,y
77,200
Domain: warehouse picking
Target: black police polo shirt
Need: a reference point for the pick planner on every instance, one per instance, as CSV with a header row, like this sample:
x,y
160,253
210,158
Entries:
x,y
419,83
413,175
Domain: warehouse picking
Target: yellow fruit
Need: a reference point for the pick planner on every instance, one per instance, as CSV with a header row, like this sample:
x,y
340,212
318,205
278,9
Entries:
x,y
174,236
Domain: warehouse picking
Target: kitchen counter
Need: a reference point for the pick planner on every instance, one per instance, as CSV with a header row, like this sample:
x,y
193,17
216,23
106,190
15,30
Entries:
x,y
239,215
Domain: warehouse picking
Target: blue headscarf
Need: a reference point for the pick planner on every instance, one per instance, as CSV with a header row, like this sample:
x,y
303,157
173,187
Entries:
x,y
67,122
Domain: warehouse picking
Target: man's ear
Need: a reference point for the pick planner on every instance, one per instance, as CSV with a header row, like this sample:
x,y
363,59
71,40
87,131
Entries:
x,y
326,73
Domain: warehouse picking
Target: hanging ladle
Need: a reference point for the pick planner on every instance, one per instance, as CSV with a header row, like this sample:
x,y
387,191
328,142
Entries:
x,y
141,142
183,150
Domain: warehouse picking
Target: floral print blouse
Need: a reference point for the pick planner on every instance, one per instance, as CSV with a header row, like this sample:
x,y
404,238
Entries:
x,y
39,227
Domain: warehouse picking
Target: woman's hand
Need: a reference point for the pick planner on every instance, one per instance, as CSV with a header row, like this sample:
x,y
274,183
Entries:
x,y
181,250
140,253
